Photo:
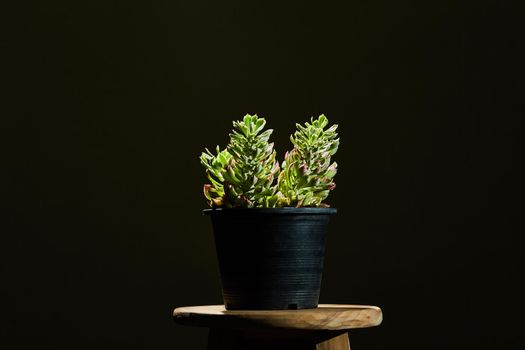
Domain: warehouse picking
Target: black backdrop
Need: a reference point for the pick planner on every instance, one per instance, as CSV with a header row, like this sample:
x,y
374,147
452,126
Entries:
x,y
107,105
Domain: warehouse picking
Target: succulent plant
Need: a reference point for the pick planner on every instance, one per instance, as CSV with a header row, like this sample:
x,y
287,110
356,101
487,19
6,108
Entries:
x,y
215,167
246,173
242,175
307,174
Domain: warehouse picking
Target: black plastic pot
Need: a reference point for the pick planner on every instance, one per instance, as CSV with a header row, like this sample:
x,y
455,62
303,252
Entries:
x,y
270,259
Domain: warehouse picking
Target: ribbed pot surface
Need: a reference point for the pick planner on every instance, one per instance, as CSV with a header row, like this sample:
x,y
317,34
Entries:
x,y
270,259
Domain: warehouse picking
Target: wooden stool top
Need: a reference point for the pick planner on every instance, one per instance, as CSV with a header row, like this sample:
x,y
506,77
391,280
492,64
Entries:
x,y
325,317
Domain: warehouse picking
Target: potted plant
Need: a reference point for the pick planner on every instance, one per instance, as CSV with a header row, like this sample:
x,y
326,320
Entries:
x,y
270,221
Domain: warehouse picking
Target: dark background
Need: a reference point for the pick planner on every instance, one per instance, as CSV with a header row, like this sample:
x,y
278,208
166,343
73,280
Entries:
x,y
106,106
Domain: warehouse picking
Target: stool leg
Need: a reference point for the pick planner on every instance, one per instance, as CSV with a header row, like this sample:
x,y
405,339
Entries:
x,y
283,339
340,342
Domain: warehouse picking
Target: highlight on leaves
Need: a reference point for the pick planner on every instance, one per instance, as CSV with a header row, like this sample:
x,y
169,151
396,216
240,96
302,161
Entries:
x,y
307,175
246,173
243,174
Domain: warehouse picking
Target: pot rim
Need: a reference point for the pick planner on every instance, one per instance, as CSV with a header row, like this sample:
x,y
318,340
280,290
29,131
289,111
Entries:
x,y
277,211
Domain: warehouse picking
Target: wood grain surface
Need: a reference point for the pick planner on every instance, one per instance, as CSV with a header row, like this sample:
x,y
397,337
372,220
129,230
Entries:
x,y
325,317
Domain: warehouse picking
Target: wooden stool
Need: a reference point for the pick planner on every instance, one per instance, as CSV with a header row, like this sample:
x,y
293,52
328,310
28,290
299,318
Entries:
x,y
324,328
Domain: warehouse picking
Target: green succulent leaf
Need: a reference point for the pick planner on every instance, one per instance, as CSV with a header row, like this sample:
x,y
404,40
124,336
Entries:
x,y
243,174
307,171
247,174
